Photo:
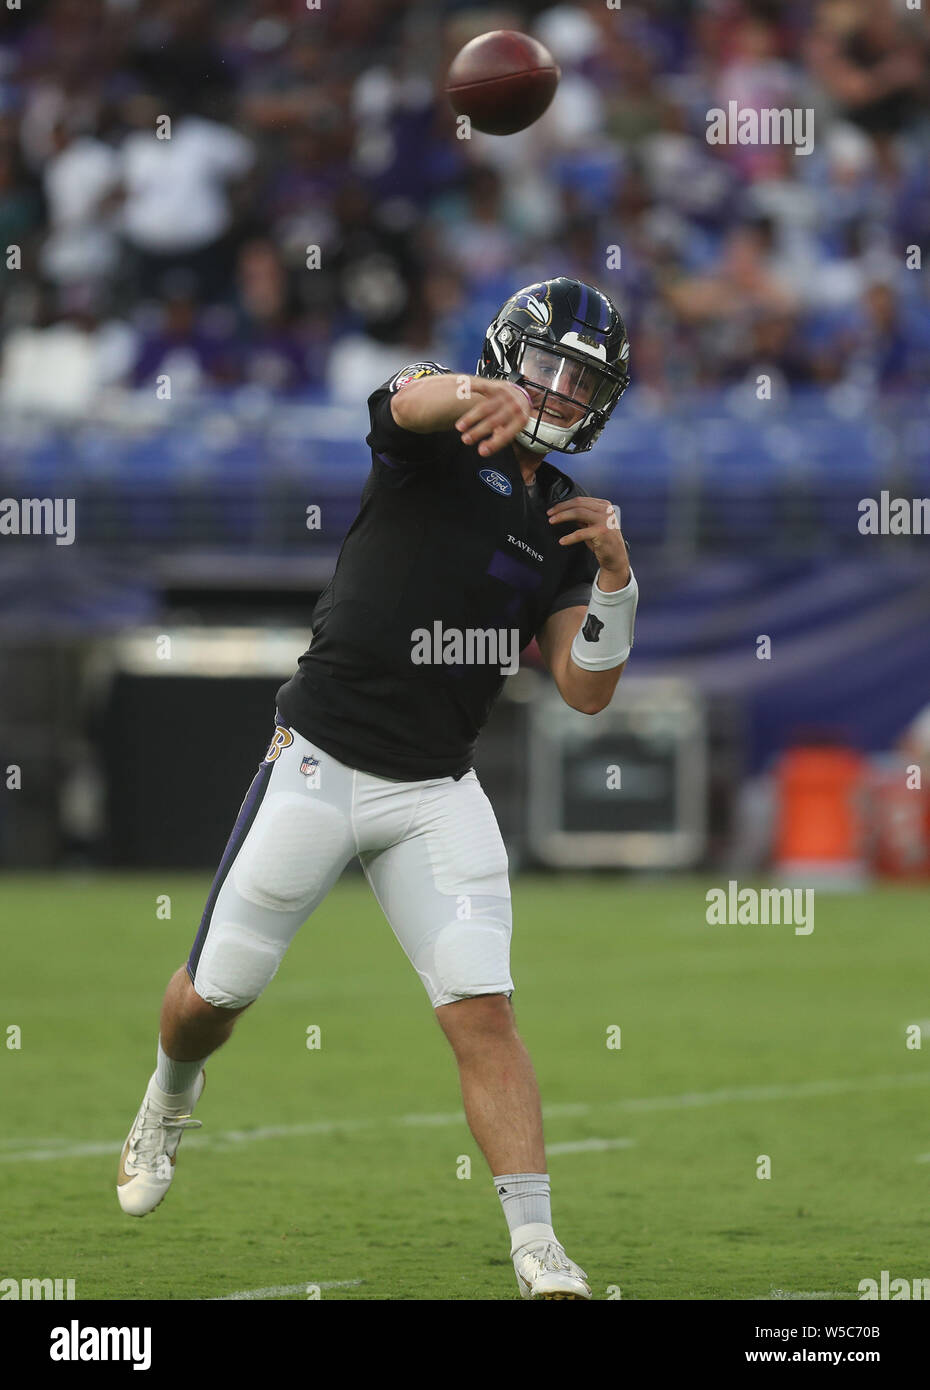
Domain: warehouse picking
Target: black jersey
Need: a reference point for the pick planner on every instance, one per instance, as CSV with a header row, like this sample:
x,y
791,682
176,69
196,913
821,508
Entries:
x,y
449,551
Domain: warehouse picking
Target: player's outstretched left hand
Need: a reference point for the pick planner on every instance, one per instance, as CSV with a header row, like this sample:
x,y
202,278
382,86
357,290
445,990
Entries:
x,y
599,528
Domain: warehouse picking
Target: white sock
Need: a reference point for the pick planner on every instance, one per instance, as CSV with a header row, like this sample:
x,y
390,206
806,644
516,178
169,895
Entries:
x,y
174,1079
524,1198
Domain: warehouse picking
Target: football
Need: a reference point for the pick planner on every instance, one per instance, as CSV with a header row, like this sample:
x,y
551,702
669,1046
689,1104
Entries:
x,y
502,81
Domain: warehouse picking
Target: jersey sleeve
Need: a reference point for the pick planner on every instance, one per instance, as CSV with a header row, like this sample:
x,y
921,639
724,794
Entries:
x,y
394,447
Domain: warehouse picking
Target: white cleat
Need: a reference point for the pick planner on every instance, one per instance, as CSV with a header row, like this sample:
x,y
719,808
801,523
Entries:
x,y
146,1165
542,1267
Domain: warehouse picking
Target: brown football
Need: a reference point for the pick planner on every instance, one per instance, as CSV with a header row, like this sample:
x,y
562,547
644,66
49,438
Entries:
x,y
502,81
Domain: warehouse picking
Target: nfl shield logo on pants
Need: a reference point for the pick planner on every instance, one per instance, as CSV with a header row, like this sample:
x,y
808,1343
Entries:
x,y
309,768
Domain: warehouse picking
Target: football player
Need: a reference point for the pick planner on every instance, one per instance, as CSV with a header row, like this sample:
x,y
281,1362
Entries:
x,y
467,545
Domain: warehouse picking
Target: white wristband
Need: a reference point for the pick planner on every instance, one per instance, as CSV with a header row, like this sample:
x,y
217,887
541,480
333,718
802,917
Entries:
x,y
606,635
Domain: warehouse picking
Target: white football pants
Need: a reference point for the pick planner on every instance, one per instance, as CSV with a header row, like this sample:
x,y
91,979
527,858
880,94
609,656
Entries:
x,y
431,850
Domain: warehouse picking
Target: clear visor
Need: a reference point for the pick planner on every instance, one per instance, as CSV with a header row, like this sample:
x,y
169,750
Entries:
x,y
585,387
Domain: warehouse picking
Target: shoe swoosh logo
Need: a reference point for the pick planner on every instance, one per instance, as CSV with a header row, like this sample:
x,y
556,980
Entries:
x,y
123,1178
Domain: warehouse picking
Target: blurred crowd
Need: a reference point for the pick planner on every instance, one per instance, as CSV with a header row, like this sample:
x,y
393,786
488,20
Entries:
x,y
310,219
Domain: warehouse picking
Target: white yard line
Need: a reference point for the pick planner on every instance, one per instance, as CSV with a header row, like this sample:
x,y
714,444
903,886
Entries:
x,y
798,1090
284,1290
801,1090
18,1143
802,1294
64,1151
589,1146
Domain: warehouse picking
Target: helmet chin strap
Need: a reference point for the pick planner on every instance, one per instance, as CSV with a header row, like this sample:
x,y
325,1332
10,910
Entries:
x,y
548,437
535,446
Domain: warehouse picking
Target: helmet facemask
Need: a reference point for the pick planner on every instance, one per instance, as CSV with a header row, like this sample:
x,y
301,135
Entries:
x,y
567,389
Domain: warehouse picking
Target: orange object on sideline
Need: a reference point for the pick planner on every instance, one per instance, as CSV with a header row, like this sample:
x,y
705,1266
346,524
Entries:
x,y
820,810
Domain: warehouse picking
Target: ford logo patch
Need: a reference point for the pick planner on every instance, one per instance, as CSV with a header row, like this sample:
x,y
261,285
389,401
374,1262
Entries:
x,y
496,480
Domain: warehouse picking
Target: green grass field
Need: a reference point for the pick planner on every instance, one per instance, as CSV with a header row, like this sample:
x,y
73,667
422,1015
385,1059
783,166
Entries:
x,y
338,1166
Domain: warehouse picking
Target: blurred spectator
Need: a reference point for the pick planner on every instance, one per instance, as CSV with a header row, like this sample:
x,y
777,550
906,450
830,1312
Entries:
x,y
182,346
756,79
81,180
20,209
371,266
62,368
879,349
178,211
868,62
272,352
726,305
478,240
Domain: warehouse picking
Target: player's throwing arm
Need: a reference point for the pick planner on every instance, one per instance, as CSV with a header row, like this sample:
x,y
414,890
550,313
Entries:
x,y
487,413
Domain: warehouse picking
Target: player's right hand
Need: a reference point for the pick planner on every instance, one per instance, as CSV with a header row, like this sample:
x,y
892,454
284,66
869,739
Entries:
x,y
499,410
